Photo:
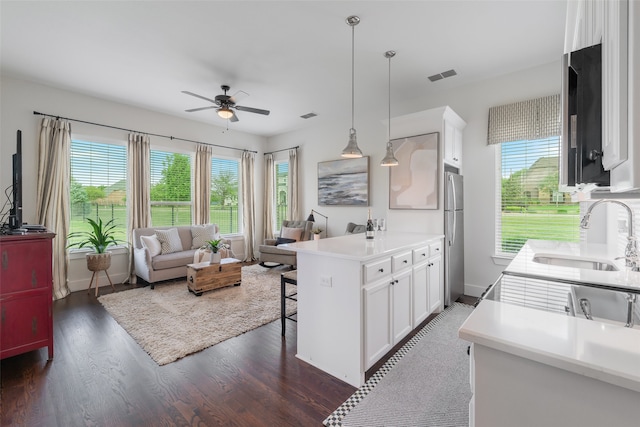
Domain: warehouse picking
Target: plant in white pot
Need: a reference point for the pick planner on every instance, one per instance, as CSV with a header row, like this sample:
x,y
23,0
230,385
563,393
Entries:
x,y
215,246
316,233
99,238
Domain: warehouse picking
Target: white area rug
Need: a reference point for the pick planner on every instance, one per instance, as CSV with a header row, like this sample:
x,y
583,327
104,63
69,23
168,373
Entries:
x,y
169,322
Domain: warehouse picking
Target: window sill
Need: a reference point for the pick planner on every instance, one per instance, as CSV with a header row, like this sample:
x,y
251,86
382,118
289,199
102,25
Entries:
x,y
502,259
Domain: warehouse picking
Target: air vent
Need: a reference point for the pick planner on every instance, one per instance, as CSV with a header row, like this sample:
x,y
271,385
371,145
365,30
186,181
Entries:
x,y
308,115
442,75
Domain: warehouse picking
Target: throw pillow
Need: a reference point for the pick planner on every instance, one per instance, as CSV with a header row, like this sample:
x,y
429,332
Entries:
x,y
291,233
201,234
169,240
152,244
283,240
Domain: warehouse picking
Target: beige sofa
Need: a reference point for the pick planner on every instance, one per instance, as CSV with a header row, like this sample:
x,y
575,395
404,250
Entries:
x,y
153,266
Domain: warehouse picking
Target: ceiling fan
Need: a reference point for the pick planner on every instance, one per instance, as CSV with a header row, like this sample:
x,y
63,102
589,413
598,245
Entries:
x,y
225,105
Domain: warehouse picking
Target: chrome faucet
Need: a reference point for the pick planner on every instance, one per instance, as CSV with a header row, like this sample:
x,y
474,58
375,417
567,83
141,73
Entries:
x,y
631,250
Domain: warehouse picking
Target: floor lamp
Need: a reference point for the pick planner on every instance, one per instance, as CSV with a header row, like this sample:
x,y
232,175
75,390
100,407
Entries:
x,y
326,221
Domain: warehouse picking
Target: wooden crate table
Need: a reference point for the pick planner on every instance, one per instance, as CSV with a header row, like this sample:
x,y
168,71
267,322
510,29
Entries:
x,y
202,277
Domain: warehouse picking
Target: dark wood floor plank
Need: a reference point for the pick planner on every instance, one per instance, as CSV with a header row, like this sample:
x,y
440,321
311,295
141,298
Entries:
x,y
100,376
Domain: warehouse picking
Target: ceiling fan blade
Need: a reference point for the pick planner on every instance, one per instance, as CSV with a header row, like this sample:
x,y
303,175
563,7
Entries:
x,y
238,96
201,108
252,110
198,96
234,118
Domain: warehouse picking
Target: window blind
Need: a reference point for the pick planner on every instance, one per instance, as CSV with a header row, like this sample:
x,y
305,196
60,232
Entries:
x,y
281,193
526,120
170,188
225,187
98,188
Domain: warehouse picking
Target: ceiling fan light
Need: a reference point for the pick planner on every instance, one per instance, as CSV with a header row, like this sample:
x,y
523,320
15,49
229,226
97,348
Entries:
x,y
389,158
225,113
351,151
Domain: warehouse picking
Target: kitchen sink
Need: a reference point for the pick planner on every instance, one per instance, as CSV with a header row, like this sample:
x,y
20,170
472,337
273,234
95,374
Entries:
x,y
600,304
575,262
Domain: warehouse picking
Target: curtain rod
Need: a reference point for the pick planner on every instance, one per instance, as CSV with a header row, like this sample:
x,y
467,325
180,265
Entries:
x,y
284,149
146,133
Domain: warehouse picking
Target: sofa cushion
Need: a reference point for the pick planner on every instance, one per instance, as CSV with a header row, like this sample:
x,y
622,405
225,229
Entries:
x,y
291,233
201,234
152,244
169,241
175,259
284,240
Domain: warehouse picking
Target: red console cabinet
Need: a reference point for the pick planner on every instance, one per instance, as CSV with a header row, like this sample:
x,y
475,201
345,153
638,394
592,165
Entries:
x,y
26,319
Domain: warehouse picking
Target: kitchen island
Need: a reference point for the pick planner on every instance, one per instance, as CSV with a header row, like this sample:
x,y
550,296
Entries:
x,y
532,364
357,298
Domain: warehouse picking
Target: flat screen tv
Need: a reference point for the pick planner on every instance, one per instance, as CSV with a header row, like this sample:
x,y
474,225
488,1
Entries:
x,y
15,214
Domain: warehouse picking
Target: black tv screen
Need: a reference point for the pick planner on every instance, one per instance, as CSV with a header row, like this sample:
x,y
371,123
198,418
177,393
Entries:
x,y
15,214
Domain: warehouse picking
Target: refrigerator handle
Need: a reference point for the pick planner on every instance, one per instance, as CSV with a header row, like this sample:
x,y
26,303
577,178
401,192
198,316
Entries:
x,y
453,230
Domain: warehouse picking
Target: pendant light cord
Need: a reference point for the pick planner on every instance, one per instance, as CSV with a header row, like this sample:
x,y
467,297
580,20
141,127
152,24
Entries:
x,y
353,35
389,125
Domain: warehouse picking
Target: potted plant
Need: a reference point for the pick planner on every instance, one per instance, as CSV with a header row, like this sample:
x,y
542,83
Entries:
x,y
316,233
214,247
99,238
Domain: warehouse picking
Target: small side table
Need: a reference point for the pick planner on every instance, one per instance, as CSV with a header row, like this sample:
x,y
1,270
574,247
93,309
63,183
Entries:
x,y
203,276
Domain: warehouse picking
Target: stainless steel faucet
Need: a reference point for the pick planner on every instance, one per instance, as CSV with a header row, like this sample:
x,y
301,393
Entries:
x,y
631,251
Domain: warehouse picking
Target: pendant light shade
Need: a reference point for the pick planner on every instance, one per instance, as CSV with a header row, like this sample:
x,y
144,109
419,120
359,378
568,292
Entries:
x,y
389,158
352,150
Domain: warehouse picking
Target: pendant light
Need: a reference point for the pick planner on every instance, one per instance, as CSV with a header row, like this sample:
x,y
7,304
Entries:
x,y
352,150
389,158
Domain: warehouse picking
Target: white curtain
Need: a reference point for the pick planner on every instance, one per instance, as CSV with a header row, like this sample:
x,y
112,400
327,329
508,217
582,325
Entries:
x,y
267,214
292,205
202,184
248,204
52,203
521,121
139,191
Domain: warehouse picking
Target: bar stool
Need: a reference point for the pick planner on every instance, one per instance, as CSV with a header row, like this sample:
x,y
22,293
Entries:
x,y
290,277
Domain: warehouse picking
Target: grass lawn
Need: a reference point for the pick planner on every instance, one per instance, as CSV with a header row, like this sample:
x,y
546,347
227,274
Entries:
x,y
518,228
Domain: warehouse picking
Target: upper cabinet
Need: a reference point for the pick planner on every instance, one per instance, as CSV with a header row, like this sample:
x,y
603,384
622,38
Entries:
x,y
615,24
452,138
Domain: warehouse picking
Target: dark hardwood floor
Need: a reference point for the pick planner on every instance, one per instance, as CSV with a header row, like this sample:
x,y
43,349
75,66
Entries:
x,y
101,377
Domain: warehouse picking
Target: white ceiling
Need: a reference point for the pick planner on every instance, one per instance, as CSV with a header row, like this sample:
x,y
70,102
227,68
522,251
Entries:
x,y
291,57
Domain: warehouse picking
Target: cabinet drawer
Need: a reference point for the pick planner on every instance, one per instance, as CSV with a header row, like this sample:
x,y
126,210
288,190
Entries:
x,y
420,254
377,269
401,261
435,248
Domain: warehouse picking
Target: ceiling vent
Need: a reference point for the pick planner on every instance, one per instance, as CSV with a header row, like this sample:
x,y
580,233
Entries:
x,y
442,75
308,115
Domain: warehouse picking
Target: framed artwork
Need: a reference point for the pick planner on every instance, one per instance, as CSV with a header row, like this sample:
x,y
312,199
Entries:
x,y
344,182
413,184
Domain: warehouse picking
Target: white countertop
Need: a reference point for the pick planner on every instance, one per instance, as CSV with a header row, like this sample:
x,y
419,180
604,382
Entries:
x,y
603,351
598,350
523,264
357,247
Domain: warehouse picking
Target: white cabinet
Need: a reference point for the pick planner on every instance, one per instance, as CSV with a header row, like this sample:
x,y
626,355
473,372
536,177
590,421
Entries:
x,y
585,20
387,305
420,293
435,282
452,138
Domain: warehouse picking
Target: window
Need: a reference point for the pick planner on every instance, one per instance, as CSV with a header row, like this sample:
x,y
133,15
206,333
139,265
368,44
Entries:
x,y
170,188
282,192
529,205
225,188
98,187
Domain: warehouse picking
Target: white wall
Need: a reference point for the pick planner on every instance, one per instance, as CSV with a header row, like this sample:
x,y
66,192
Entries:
x,y
321,142
20,99
472,103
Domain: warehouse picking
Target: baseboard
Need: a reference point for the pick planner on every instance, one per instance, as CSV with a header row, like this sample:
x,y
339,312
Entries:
x,y
83,284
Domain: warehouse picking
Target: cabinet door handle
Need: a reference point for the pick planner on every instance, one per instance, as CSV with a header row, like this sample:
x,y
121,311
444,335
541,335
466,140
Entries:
x,y
381,270
5,260
34,278
437,249
34,326
424,254
405,261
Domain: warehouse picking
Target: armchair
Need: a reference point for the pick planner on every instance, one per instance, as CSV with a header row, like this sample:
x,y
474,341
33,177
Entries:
x,y
275,255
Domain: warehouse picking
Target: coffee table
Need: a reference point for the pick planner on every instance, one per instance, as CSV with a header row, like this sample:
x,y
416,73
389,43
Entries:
x,y
202,277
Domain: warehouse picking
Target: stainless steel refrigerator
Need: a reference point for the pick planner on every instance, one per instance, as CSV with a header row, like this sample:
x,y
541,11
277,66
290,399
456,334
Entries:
x,y
454,238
